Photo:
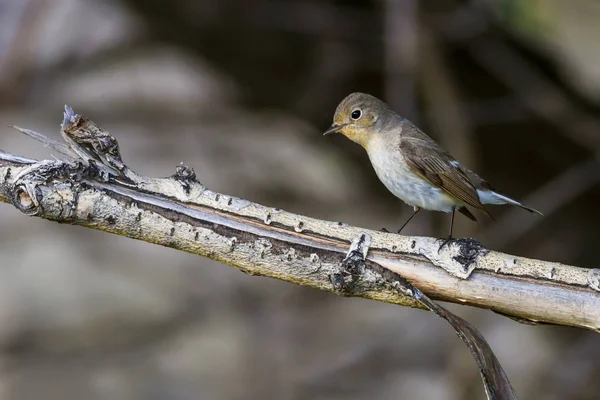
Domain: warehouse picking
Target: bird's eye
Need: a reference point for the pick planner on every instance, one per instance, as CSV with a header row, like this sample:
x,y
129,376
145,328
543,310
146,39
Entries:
x,y
356,114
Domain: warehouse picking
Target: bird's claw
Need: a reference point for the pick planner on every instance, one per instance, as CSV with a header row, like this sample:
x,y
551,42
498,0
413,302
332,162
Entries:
x,y
445,242
384,230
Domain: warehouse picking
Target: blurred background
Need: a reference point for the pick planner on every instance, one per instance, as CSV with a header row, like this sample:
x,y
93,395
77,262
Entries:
x,y
241,91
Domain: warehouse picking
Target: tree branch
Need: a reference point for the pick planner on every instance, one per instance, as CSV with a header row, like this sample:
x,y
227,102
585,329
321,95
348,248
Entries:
x,y
180,212
99,191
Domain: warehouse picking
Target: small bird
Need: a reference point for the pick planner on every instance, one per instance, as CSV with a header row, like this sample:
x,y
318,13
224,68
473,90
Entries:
x,y
412,165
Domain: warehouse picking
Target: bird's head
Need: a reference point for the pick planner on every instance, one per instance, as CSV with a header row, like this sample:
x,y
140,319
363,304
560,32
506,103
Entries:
x,y
358,117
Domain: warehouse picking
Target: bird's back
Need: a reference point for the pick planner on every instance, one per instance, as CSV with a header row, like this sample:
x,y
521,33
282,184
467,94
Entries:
x,y
429,147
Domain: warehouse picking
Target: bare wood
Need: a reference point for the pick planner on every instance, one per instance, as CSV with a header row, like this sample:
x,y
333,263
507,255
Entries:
x,y
180,212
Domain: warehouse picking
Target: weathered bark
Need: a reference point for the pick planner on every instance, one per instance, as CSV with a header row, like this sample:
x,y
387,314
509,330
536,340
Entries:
x,y
96,189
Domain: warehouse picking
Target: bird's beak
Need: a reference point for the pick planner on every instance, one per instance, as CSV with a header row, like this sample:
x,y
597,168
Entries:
x,y
333,129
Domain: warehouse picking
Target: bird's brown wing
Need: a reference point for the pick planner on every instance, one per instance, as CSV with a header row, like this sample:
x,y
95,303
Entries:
x,y
465,211
428,160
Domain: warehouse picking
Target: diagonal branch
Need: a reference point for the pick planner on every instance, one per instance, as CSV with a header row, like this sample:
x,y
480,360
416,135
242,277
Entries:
x,y
178,211
99,191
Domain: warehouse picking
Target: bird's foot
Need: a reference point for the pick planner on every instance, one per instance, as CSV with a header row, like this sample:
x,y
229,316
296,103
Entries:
x,y
384,230
447,241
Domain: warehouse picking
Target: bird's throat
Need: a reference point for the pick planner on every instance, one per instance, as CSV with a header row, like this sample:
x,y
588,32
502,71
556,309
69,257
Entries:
x,y
358,137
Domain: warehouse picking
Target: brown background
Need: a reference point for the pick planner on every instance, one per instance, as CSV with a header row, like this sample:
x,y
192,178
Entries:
x,y
241,91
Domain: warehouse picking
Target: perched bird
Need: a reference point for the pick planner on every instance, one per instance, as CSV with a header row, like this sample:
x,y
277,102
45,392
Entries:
x,y
412,165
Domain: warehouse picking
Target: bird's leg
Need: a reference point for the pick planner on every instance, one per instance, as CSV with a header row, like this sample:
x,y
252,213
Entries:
x,y
451,223
449,238
416,210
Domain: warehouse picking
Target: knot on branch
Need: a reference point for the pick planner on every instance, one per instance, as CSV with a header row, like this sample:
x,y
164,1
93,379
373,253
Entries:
x,y
184,173
459,257
186,176
26,188
468,251
352,266
26,198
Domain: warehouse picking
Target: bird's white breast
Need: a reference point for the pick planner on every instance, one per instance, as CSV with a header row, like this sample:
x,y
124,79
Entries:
x,y
392,170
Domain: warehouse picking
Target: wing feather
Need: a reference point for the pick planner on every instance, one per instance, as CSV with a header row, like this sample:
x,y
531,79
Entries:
x,y
428,160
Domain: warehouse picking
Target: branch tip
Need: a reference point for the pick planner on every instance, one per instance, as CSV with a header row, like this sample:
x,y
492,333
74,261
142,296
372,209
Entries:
x,y
69,117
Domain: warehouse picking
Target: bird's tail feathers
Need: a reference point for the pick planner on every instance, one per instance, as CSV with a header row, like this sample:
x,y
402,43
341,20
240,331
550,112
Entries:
x,y
489,197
